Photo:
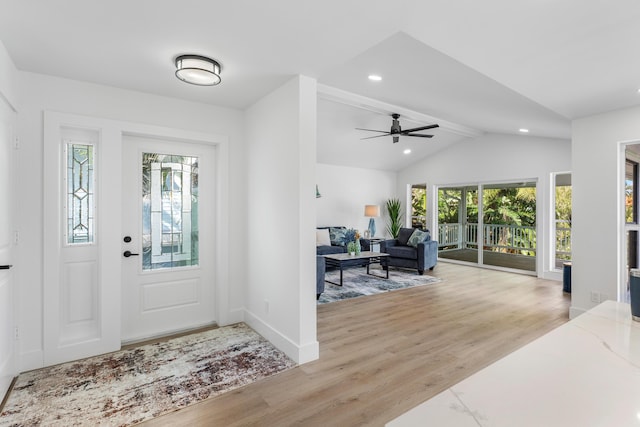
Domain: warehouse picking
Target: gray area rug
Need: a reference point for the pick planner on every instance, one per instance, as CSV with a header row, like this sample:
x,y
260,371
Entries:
x,y
357,283
130,386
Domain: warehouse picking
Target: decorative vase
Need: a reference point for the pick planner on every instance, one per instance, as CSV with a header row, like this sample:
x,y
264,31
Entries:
x,y
358,247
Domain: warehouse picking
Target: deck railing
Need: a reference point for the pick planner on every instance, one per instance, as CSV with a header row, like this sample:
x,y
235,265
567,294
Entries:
x,y
563,239
497,237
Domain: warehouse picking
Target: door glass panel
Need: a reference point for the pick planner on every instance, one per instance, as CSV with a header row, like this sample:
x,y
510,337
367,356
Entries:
x,y
458,223
80,193
509,225
169,211
562,219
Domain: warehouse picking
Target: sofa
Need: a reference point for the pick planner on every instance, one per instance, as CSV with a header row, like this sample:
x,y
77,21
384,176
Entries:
x,y
328,241
412,249
320,271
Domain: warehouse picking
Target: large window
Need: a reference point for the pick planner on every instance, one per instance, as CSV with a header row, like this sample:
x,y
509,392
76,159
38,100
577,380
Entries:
x,y
562,219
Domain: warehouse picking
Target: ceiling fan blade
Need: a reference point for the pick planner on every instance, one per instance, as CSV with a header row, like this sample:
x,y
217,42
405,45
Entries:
x,y
377,136
418,135
373,130
405,131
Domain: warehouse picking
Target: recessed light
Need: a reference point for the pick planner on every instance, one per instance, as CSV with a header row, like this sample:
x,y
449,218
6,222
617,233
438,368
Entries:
x,y
523,130
407,151
375,77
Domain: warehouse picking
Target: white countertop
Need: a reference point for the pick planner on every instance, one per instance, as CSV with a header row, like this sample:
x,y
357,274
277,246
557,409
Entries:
x,y
584,373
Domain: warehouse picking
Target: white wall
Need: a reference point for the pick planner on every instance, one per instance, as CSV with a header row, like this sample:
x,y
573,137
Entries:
x,y
281,150
39,93
598,217
495,158
345,191
8,79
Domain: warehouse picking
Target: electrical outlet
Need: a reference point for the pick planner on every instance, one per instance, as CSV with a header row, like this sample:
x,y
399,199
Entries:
x,y
595,297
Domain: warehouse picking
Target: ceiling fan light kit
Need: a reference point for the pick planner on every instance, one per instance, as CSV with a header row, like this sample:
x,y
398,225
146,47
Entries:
x,y
396,131
198,70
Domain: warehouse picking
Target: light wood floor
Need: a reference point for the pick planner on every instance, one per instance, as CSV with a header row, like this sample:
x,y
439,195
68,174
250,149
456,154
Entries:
x,y
384,354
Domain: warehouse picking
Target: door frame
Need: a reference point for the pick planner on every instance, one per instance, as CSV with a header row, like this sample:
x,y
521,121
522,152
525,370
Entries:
x,y
112,133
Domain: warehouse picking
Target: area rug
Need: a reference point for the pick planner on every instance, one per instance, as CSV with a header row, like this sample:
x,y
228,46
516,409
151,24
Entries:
x,y
357,283
130,386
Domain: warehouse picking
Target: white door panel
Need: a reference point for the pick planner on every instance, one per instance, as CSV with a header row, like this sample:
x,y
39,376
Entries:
x,y
81,289
166,286
7,348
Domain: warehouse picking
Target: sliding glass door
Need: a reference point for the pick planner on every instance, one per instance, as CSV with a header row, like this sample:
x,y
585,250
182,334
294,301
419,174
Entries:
x,y
498,232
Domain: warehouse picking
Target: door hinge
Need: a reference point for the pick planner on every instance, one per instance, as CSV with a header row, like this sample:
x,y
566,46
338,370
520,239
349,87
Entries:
x,y
16,333
16,144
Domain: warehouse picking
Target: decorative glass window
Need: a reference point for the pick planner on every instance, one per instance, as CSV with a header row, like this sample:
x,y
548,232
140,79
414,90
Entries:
x,y
169,211
80,206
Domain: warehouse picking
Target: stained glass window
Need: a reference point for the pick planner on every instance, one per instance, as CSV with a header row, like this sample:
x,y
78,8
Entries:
x,y
170,211
80,193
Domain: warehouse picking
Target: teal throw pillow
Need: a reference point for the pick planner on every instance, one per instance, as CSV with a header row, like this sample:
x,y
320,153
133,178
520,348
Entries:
x,y
336,235
418,236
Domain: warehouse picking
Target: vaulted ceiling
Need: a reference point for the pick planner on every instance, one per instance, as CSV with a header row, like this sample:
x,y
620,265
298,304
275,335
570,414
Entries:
x,y
491,66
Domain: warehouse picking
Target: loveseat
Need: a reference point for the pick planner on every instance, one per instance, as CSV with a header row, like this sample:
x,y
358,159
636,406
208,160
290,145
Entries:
x,y
320,270
412,249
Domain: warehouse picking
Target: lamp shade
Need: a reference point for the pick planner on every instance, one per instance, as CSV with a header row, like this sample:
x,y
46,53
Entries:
x,y
198,70
371,210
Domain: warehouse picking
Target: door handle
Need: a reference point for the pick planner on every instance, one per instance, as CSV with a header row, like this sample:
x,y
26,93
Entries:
x,y
127,254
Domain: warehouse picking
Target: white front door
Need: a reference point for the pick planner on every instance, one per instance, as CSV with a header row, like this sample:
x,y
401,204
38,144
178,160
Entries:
x,y
7,365
168,219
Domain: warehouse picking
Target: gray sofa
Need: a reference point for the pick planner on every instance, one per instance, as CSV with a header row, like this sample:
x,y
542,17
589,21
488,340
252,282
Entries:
x,y
336,248
320,270
420,252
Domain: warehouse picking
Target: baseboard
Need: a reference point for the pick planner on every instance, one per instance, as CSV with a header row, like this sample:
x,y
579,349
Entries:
x,y
575,312
30,361
232,317
299,353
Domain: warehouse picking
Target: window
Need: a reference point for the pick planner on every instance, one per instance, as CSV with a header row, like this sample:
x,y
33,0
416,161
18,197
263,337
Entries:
x,y
562,218
419,206
80,197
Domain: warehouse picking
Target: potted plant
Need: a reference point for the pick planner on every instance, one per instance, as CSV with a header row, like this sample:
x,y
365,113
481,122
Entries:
x,y
394,209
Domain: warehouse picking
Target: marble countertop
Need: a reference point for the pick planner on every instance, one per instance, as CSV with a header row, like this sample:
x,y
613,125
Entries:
x,y
584,373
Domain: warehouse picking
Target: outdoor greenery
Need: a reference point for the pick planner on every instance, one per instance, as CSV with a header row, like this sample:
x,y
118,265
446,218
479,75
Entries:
x,y
418,207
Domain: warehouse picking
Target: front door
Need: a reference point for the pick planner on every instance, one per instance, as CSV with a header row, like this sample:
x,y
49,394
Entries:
x,y
168,221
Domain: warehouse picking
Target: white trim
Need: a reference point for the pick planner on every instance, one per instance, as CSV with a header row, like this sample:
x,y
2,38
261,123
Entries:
x,y
299,353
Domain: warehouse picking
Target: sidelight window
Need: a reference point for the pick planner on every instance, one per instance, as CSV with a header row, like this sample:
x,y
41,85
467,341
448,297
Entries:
x,y
79,180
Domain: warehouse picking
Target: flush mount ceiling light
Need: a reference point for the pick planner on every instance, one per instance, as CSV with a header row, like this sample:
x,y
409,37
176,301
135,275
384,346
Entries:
x,y
375,77
523,130
198,70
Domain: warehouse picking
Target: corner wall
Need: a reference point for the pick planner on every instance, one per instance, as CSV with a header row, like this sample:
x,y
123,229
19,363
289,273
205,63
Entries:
x,y
280,250
598,216
345,191
496,158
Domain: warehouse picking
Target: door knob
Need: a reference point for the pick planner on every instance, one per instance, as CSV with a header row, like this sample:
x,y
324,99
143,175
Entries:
x,y
127,254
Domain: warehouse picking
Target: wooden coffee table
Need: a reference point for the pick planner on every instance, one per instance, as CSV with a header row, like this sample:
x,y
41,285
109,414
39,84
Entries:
x,y
367,258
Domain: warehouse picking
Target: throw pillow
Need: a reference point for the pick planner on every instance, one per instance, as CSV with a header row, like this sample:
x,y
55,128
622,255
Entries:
x,y
403,236
418,236
336,236
322,237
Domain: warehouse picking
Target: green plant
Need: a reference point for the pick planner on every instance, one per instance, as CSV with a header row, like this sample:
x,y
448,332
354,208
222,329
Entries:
x,y
351,247
394,209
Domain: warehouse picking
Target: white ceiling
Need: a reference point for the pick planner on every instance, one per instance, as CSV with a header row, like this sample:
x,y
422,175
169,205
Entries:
x,y
495,65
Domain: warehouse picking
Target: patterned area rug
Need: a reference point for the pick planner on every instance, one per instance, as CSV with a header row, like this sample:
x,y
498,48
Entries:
x,y
130,386
357,283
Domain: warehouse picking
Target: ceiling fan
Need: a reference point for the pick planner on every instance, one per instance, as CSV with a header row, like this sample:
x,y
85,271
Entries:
x,y
396,130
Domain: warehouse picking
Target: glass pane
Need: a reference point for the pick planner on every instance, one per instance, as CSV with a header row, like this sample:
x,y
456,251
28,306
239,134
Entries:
x,y
80,193
509,225
419,206
563,219
631,171
169,211
458,223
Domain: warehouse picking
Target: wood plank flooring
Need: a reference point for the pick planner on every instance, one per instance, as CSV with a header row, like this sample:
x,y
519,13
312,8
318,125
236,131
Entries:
x,y
384,354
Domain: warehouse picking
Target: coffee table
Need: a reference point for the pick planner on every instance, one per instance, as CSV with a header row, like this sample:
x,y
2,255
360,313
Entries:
x,y
366,258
